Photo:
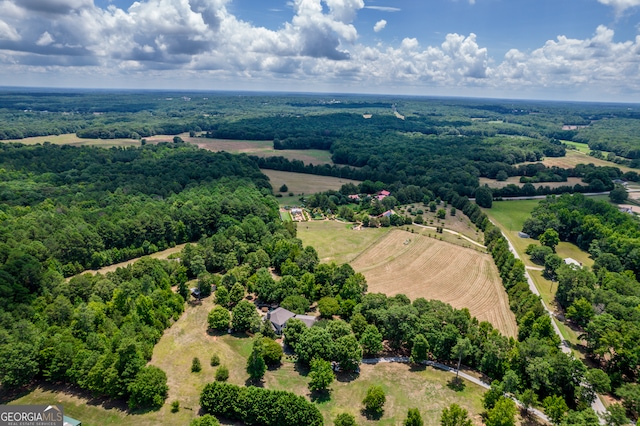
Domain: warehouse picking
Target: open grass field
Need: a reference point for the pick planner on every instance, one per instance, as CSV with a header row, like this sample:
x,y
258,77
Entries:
x,y
72,139
336,241
262,149
258,148
419,266
302,184
582,147
515,180
574,157
405,387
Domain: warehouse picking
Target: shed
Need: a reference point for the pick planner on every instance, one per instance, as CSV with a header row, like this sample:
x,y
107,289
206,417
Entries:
x,y
523,235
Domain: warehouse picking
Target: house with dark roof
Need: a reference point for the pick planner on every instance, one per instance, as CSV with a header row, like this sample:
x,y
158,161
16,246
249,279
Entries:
x,y
279,317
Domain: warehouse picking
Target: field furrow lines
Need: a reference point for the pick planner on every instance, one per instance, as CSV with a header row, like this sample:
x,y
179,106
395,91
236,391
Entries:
x,y
419,266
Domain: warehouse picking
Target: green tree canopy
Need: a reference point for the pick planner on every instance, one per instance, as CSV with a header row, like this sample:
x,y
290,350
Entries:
x,y
413,418
219,319
149,389
454,415
374,400
321,375
245,317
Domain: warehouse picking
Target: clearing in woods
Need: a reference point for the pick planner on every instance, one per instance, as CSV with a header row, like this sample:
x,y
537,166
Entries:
x,y
258,148
302,184
419,266
574,157
515,180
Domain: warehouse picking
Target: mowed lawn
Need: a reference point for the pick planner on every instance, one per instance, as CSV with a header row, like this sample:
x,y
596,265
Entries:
x,y
425,389
418,266
336,241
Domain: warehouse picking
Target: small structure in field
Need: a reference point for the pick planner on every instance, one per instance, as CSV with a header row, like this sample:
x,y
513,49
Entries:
x,y
388,213
297,215
570,261
523,235
279,317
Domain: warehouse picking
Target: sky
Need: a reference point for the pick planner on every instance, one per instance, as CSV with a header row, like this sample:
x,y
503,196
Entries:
x,y
585,50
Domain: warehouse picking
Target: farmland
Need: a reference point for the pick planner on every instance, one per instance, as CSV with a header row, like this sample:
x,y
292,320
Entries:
x,y
418,266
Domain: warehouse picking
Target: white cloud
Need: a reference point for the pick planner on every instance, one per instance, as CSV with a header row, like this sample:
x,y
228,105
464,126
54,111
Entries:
x,y
379,26
45,39
176,42
621,5
7,32
384,8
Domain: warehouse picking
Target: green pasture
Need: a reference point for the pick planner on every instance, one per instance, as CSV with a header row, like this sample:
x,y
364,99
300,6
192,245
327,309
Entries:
x,y
582,147
337,241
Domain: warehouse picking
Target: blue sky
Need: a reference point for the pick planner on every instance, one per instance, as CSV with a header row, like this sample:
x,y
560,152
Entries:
x,y
561,49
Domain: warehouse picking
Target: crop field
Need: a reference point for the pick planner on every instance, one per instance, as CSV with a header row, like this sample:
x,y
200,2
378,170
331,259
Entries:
x,y
302,184
418,266
582,147
515,180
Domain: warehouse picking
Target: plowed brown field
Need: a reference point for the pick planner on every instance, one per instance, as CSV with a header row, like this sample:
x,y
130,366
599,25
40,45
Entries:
x,y
419,266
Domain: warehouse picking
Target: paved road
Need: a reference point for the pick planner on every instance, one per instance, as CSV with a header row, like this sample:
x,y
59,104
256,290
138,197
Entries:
x,y
451,370
597,405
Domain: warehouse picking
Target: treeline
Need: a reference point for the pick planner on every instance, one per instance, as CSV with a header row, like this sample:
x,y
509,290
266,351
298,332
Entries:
x,y
257,406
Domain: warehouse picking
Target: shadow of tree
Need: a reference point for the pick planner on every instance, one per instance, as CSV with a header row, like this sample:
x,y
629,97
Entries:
x,y
456,384
252,382
372,415
320,396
